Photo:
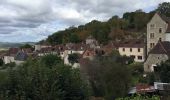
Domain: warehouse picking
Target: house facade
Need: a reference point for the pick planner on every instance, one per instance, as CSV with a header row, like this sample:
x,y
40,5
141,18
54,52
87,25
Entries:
x,y
157,29
158,35
133,48
159,53
16,55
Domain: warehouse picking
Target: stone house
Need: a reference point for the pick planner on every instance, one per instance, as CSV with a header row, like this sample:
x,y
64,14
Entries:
x,y
9,56
89,54
110,47
16,55
71,48
20,57
158,28
159,53
92,42
133,48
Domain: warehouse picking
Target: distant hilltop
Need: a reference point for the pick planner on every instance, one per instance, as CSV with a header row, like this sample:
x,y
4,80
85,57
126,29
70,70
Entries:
x,y
6,45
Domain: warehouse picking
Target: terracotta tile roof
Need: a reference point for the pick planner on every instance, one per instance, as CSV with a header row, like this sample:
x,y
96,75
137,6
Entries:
x,y
133,43
162,47
77,47
12,51
143,88
89,52
27,50
59,48
46,50
111,44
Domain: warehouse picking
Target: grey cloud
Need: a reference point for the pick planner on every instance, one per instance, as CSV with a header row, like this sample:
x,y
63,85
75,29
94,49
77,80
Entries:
x,y
6,30
31,14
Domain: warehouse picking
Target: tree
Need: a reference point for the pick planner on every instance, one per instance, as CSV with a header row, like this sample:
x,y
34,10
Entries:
x,y
164,8
73,58
140,97
74,38
163,71
35,80
108,78
26,46
50,60
1,62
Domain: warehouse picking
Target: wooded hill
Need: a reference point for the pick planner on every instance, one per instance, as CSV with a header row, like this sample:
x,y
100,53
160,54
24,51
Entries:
x,y
131,25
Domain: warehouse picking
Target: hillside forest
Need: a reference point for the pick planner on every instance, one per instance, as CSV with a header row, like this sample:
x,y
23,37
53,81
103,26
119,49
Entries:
x,y
131,25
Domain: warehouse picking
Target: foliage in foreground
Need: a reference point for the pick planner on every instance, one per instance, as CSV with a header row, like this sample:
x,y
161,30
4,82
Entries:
x,y
163,70
108,78
35,80
140,97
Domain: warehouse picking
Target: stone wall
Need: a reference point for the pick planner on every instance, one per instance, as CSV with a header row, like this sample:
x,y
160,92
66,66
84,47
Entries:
x,y
153,27
153,60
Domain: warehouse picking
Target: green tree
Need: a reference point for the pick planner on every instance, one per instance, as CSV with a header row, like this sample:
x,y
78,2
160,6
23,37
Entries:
x,y
1,62
26,46
35,80
108,78
164,71
73,58
140,97
74,38
50,60
164,8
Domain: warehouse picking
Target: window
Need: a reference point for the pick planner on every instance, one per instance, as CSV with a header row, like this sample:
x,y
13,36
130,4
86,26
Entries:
x,y
160,39
151,35
88,54
130,49
152,45
160,30
123,49
138,49
139,57
132,56
152,26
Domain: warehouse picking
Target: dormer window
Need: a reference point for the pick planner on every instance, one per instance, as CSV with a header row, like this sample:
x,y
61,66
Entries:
x,y
160,30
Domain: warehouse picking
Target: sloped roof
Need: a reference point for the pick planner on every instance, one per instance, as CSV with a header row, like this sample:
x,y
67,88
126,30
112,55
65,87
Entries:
x,y
162,47
132,43
21,56
12,51
77,46
167,20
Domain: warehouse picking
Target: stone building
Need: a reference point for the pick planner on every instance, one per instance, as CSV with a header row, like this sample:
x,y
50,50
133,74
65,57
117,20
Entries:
x,y
159,53
158,28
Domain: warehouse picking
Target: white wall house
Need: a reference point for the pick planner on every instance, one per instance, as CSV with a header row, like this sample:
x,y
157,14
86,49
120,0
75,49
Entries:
x,y
133,48
8,59
66,55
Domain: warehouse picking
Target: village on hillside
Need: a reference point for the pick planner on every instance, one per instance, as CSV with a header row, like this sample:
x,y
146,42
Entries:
x,y
150,51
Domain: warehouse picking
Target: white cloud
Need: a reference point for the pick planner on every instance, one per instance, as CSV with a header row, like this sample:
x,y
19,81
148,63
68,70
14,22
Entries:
x,y
33,20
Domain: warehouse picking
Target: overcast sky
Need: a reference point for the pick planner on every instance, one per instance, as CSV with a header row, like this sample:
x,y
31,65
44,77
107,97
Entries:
x,y
34,20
